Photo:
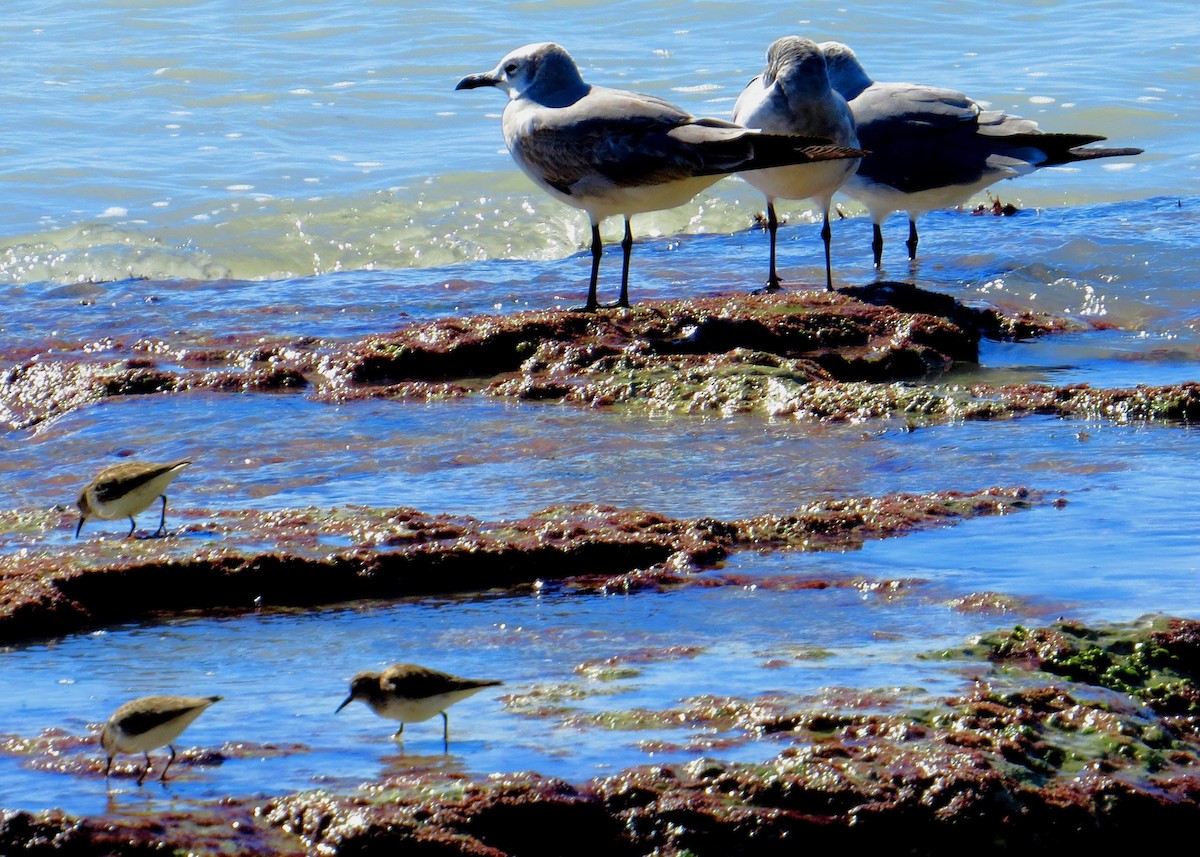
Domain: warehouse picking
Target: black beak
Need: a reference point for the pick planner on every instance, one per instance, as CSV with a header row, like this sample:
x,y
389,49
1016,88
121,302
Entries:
x,y
349,699
79,526
474,81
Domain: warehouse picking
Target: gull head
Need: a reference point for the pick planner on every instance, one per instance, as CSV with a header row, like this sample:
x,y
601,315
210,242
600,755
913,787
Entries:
x,y
846,74
796,61
543,72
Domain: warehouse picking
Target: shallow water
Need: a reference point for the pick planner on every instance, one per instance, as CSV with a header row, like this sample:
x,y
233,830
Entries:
x,y
305,169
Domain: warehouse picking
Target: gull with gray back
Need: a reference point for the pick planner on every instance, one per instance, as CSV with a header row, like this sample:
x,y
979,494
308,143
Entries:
x,y
929,147
793,96
611,152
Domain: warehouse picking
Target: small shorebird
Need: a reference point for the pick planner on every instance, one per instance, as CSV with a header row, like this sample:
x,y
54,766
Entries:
x,y
931,148
793,96
125,490
411,693
610,151
150,722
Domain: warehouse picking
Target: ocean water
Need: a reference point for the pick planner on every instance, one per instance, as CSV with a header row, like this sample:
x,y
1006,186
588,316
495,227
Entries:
x,y
191,170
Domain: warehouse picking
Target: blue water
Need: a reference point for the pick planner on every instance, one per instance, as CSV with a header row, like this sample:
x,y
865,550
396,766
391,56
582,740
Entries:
x,y
186,171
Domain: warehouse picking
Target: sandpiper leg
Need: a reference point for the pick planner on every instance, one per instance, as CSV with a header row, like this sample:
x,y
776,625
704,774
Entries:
x,y
145,770
108,768
827,236
877,244
445,733
163,776
772,228
399,736
911,243
162,521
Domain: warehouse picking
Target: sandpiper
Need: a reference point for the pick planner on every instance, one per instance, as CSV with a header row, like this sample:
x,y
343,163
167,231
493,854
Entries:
x,y
127,489
411,693
613,152
150,722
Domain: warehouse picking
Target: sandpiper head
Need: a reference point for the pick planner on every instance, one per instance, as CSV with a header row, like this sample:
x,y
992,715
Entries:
x,y
85,509
108,740
795,59
846,74
363,686
542,71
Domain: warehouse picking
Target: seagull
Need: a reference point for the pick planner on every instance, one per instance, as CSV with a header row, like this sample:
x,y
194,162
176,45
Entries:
x,y
412,693
793,96
932,148
612,152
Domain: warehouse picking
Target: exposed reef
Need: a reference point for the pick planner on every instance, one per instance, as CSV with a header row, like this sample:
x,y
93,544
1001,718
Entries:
x,y
863,353
711,353
243,561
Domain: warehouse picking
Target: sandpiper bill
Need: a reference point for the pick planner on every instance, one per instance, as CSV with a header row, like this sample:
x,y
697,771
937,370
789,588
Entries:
x,y
150,722
126,490
411,693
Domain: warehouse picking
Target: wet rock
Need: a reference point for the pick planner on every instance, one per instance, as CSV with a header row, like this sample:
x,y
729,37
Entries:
x,y
704,354
248,560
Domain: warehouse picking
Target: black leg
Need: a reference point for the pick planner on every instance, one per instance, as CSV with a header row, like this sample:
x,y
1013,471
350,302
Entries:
x,y
108,768
772,228
827,236
162,521
877,245
445,733
911,243
623,299
399,736
145,770
597,252
132,527
163,776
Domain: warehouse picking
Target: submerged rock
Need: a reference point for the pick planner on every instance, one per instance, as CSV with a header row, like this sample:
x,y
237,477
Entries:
x,y
1026,762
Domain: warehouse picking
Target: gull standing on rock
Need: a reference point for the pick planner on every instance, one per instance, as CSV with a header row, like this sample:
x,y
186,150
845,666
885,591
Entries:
x,y
609,152
930,148
793,96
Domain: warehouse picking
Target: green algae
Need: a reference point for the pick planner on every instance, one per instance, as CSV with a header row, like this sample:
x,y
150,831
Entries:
x,y
1131,659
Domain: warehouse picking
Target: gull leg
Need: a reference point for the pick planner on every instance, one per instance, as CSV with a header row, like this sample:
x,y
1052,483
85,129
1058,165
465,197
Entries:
x,y
772,228
597,252
911,243
877,244
827,236
623,300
